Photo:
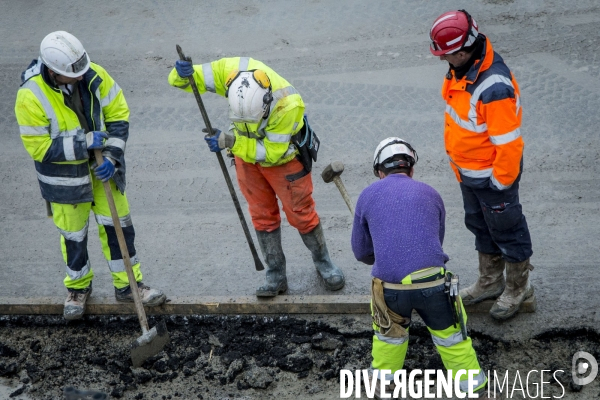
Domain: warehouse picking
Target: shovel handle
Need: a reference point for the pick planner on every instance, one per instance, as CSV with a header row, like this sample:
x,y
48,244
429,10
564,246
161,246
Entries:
x,y
139,308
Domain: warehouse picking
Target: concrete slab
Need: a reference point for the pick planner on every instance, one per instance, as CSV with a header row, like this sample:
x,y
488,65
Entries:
x,y
365,73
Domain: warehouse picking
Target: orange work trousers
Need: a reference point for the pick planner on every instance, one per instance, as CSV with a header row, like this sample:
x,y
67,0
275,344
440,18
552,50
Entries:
x,y
261,186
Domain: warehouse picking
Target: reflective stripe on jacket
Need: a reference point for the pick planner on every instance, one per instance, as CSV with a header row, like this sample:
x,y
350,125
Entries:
x,y
53,137
268,143
482,123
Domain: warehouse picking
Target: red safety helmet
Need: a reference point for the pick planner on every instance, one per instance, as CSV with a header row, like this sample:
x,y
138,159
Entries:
x,y
451,32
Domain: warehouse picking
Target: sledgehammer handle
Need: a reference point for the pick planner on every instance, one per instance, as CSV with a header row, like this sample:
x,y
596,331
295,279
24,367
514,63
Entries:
x,y
139,308
342,189
257,263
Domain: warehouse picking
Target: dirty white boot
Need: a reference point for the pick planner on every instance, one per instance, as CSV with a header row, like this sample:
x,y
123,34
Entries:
x,y
518,289
489,284
75,303
150,297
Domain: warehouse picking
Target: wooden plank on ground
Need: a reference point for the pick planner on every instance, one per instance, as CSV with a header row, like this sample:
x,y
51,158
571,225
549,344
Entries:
x,y
284,304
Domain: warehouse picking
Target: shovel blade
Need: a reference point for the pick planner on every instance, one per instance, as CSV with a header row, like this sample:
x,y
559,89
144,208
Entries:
x,y
149,344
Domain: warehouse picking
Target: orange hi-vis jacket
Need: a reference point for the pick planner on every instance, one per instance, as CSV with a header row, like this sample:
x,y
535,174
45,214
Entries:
x,y
482,123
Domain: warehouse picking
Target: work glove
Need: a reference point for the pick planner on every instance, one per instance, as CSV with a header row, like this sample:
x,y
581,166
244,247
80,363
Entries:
x,y
185,69
213,141
224,141
106,170
95,139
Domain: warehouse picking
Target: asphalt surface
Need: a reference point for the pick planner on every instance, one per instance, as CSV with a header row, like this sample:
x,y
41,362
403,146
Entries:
x,y
365,73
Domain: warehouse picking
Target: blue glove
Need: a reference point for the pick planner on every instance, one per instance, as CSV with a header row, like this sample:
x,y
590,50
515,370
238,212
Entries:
x,y
213,141
185,69
105,171
95,139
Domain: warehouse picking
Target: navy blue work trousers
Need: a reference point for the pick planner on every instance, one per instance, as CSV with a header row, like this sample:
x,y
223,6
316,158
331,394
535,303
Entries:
x,y
496,219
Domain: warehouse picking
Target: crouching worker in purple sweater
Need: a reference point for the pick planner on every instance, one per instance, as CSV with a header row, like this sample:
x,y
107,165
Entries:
x,y
399,230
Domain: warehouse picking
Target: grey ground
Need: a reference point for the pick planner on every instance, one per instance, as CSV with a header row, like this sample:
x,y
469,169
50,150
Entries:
x,y
365,73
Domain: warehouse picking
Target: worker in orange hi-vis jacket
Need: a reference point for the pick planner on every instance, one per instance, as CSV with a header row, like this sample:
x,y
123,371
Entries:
x,y
482,133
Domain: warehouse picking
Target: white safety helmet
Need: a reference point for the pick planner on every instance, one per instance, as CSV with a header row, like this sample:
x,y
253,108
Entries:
x,y
249,95
390,147
64,54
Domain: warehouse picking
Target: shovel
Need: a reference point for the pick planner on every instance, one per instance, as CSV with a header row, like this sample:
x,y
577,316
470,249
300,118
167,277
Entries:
x,y
152,340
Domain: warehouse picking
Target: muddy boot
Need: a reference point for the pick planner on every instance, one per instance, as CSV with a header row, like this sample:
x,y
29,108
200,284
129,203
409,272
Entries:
x,y
517,290
149,297
275,279
75,303
333,277
490,283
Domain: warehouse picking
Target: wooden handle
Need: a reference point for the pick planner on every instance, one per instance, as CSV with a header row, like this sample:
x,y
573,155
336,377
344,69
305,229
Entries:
x,y
342,189
139,308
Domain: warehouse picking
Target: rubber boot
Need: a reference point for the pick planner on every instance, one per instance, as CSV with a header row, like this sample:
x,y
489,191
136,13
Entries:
x,y
275,279
517,290
490,283
333,277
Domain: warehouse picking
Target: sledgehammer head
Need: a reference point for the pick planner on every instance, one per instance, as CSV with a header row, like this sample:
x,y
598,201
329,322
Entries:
x,y
332,170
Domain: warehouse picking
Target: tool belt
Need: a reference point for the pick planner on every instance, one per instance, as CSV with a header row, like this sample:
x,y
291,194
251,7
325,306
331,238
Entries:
x,y
389,322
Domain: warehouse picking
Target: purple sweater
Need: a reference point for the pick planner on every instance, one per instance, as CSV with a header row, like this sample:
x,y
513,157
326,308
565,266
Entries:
x,y
399,227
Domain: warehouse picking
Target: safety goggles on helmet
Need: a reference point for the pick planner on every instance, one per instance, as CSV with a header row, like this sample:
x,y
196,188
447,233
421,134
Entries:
x,y
80,64
388,162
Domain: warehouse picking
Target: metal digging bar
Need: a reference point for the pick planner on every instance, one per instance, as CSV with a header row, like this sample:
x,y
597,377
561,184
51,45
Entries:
x,y
257,263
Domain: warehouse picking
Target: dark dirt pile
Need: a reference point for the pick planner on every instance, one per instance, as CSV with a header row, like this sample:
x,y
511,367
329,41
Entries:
x,y
242,357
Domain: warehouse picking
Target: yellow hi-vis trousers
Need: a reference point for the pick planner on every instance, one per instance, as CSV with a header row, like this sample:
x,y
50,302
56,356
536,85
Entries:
x,y
433,307
72,222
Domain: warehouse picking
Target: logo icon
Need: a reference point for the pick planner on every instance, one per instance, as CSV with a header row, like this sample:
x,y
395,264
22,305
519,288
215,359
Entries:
x,y
580,367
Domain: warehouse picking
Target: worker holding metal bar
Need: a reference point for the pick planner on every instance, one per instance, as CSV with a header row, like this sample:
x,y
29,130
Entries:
x,y
273,148
399,228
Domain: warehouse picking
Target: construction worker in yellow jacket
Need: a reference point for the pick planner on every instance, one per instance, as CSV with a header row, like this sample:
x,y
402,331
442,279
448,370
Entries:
x,y
265,112
66,107
482,131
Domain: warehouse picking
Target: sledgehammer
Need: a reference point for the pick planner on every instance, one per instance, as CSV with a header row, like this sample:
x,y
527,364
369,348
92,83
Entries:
x,y
332,172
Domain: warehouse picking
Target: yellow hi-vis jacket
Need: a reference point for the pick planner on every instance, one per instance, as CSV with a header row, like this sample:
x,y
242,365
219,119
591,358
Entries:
x,y
268,142
54,138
